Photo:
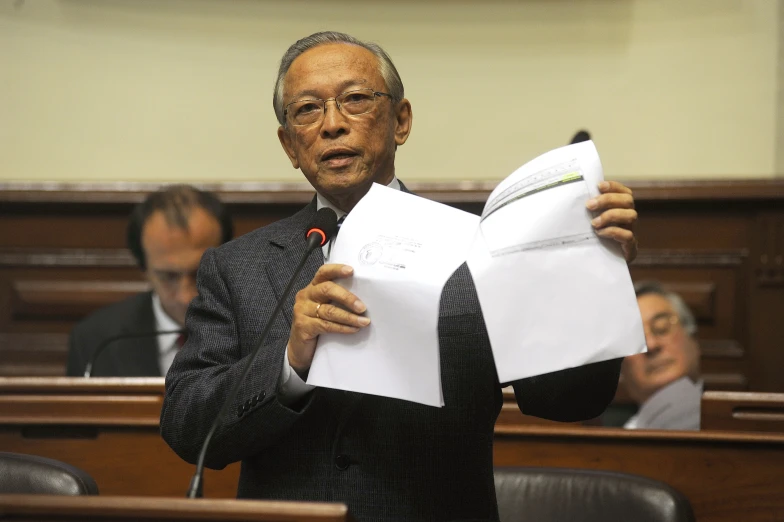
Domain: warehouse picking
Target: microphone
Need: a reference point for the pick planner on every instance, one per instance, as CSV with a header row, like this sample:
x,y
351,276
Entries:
x,y
582,135
88,370
323,228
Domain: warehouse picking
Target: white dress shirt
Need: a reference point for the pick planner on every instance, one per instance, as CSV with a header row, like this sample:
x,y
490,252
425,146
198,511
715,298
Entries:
x,y
291,386
167,344
676,406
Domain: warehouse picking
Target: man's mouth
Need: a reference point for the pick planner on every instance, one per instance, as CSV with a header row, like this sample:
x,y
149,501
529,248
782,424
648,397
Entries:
x,y
659,365
338,157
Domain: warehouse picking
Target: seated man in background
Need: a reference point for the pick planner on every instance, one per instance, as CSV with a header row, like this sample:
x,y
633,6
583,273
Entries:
x,y
167,234
665,382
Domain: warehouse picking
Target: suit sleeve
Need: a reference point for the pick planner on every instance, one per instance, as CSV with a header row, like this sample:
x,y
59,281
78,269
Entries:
x,y
570,395
207,367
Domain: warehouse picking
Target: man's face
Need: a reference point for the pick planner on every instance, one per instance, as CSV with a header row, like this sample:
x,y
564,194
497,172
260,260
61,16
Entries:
x,y
672,353
341,155
173,256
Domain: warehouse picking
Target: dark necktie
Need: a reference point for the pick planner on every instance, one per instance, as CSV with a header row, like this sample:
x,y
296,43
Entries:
x,y
332,241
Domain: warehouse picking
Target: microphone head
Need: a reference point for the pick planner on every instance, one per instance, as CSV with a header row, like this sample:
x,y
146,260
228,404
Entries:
x,y
324,224
582,135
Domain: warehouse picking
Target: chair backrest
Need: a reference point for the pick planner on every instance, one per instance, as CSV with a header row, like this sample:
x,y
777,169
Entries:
x,y
29,474
581,495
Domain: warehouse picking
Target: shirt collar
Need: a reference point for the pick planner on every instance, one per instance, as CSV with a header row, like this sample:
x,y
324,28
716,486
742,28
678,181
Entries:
x,y
322,202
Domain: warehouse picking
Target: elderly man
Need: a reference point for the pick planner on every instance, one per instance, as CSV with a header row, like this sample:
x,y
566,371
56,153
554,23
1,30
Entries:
x,y
664,381
167,234
342,117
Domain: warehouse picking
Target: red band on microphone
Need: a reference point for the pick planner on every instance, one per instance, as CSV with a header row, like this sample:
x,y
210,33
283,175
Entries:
x,y
323,235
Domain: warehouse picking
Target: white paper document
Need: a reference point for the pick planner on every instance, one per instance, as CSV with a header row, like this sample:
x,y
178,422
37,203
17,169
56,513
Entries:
x,y
553,294
403,249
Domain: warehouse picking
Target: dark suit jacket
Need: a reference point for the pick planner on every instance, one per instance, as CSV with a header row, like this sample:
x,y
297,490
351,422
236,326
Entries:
x,y
122,358
387,459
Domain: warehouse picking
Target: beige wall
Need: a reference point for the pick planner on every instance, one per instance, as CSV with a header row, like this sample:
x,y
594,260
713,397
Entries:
x,y
165,90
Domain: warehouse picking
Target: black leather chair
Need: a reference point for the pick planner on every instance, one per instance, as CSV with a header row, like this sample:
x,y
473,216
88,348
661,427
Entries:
x,y
29,474
582,495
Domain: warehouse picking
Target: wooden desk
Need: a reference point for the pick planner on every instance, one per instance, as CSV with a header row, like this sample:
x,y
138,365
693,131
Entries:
x,y
24,508
742,411
727,476
107,427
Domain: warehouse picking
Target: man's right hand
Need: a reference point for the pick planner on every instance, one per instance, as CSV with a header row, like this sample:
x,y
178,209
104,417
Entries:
x,y
322,306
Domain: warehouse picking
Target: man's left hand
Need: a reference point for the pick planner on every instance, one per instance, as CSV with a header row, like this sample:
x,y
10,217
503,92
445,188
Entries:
x,y
617,216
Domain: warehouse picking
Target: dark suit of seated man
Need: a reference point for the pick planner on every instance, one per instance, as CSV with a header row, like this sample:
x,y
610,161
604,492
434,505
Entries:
x,y
342,116
167,234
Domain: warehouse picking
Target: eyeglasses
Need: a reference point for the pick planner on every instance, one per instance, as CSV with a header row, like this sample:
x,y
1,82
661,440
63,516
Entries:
x,y
661,324
350,103
173,279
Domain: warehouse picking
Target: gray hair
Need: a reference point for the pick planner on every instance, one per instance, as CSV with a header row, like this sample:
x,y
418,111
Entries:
x,y
387,69
685,316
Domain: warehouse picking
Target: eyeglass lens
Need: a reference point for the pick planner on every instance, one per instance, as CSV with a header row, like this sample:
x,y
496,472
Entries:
x,y
352,103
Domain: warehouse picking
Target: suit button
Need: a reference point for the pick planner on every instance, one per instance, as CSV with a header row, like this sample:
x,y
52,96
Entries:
x,y
341,462
261,396
254,401
240,411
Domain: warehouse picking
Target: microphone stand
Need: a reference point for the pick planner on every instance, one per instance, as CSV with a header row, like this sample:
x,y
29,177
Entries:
x,y
196,487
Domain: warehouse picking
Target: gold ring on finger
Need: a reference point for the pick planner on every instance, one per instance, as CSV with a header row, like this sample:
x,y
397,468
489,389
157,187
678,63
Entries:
x,y
317,310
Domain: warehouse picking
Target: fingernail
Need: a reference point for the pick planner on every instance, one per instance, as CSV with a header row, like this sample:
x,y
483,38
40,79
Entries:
x,y
364,321
591,204
604,185
346,270
595,221
359,306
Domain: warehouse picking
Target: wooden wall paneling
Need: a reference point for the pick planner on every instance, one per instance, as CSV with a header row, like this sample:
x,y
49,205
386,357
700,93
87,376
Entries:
x,y
766,302
43,295
69,300
717,242
49,225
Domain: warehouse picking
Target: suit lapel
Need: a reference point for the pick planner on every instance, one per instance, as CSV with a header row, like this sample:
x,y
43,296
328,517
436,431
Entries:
x,y
145,355
139,356
288,246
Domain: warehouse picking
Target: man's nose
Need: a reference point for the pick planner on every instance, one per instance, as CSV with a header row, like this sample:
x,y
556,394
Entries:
x,y
654,346
335,122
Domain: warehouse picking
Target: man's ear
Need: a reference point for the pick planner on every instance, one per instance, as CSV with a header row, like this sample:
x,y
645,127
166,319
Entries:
x,y
287,142
403,120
